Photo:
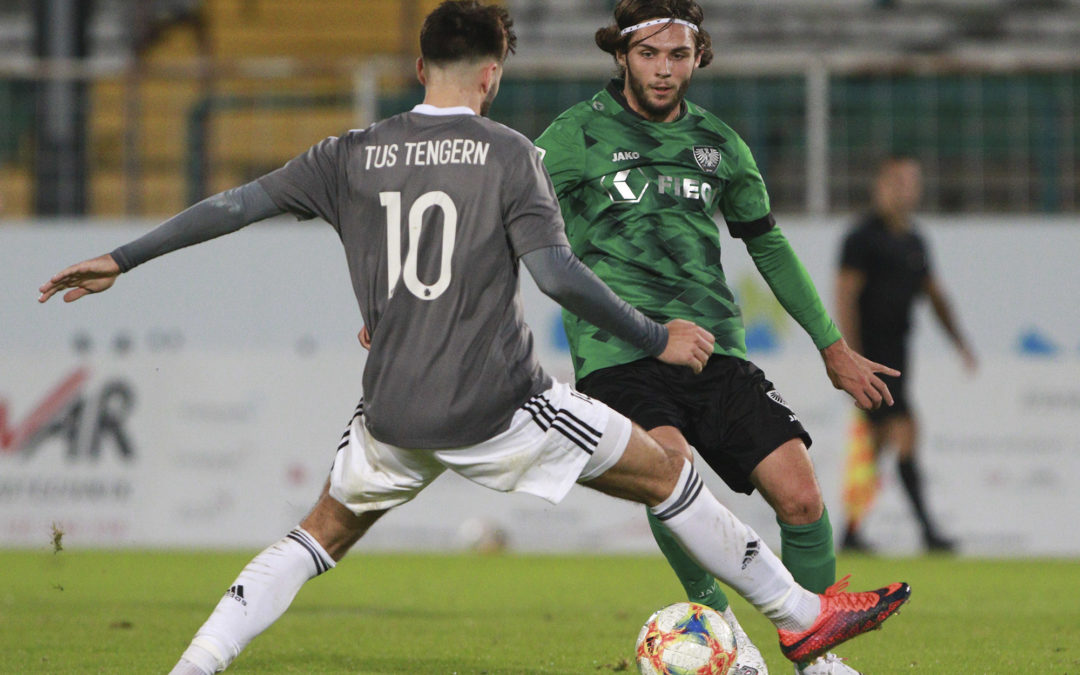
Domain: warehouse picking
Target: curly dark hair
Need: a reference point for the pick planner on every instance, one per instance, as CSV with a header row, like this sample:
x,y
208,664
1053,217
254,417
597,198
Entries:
x,y
631,12
459,30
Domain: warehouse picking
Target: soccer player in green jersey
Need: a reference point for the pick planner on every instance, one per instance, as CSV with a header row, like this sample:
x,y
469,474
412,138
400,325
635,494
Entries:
x,y
639,173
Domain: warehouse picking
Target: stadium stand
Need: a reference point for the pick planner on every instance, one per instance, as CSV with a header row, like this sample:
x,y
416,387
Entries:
x,y
190,96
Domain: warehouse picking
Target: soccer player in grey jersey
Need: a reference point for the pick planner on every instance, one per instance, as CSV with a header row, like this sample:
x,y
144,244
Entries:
x,y
434,208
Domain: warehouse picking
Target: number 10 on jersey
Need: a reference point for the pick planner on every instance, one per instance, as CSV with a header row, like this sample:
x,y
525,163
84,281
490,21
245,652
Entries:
x,y
435,199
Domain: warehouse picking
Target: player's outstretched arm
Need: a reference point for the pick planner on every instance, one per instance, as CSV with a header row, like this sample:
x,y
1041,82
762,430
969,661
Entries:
x,y
857,375
214,216
791,284
90,276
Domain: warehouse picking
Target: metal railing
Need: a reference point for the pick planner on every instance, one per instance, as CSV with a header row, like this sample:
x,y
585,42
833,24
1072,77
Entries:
x,y
995,132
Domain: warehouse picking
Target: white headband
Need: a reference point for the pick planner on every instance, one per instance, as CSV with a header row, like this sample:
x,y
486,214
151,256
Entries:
x,y
657,22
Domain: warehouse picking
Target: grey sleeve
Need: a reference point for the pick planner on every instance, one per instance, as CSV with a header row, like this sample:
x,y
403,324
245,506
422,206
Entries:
x,y
309,185
563,278
214,216
530,208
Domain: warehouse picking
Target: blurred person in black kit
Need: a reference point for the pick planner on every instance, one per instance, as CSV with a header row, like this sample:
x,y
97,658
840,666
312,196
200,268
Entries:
x,y
884,267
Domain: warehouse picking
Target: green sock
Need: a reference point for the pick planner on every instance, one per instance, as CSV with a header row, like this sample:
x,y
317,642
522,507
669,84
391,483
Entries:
x,y
807,551
700,586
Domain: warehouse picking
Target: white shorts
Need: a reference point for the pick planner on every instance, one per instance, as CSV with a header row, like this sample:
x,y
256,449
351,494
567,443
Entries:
x,y
555,439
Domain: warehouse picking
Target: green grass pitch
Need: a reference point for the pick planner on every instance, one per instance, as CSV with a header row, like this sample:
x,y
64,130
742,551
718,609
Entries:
x,y
134,612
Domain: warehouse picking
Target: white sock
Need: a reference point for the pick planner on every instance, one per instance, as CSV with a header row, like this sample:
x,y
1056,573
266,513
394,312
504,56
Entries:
x,y
733,553
263,591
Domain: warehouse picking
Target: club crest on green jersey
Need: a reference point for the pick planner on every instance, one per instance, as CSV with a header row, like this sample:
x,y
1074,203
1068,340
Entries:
x,y
707,157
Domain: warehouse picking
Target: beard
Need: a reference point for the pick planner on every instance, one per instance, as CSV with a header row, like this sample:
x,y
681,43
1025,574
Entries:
x,y
655,111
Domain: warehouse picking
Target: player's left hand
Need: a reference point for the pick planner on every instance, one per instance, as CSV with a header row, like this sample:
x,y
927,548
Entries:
x,y
857,375
364,336
90,276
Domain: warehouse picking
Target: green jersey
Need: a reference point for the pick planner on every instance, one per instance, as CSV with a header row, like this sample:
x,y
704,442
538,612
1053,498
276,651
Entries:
x,y
639,199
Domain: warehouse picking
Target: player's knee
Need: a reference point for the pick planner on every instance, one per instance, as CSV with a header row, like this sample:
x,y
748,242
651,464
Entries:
x,y
801,506
684,452
671,438
668,470
648,471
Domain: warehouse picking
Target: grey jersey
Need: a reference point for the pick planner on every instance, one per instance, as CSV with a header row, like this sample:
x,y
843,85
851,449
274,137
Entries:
x,y
434,212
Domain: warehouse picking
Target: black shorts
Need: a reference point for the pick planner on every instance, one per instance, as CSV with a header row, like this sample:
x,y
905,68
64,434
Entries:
x,y
730,413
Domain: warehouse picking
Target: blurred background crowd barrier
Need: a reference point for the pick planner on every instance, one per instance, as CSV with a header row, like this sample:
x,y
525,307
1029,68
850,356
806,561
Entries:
x,y
130,108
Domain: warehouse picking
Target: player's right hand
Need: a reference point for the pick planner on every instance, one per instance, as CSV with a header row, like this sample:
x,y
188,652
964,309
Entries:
x,y
90,276
688,345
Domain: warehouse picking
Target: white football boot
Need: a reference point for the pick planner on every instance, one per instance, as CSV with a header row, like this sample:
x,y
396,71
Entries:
x,y
826,664
749,660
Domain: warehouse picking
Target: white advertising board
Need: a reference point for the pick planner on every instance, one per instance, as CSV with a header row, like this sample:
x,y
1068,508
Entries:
x,y
199,402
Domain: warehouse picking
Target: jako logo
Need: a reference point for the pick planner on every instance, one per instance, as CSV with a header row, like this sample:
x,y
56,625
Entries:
x,y
82,420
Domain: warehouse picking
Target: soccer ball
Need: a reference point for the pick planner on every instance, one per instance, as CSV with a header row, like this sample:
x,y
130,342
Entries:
x,y
685,639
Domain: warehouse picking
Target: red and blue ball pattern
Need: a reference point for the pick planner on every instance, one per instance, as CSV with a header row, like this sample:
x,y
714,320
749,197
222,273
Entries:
x,y
685,639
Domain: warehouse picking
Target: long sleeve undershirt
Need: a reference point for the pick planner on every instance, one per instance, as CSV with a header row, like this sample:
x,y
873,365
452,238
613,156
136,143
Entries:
x,y
214,216
557,272
565,279
792,286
